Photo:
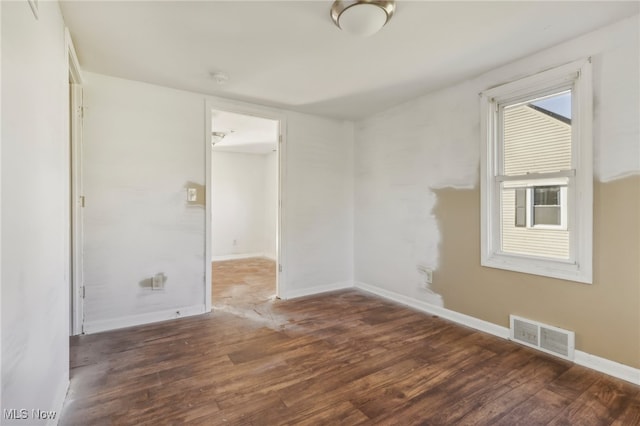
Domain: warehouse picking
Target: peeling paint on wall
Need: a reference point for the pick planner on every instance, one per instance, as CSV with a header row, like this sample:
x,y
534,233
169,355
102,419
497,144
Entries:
x,y
417,200
616,110
492,294
403,156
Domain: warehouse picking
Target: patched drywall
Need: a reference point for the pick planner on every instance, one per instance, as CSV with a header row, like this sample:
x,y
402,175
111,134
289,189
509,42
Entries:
x,y
401,156
616,88
35,211
604,315
417,202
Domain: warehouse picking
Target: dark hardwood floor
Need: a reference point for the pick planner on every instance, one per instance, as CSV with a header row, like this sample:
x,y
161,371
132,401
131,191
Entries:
x,y
338,358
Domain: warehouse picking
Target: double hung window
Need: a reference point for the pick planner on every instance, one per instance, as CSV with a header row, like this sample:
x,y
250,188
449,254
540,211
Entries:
x,y
536,174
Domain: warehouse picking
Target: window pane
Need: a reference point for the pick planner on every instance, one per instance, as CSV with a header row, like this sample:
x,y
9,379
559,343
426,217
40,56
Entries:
x,y
537,135
546,215
529,240
546,196
521,207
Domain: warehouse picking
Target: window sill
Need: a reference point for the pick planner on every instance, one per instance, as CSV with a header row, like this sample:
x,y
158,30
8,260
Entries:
x,y
552,268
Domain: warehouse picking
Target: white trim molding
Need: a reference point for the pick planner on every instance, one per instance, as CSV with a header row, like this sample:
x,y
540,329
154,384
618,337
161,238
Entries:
x,y
91,327
603,365
215,103
208,242
238,256
606,366
74,65
310,291
454,316
58,402
575,76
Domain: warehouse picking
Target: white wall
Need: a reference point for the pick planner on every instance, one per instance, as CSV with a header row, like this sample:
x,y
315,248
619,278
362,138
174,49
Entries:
x,y
238,204
271,205
35,209
404,154
143,145
319,205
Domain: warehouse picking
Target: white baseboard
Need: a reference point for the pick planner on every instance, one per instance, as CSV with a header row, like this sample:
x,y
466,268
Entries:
x,y
454,316
607,366
603,365
91,327
309,291
236,256
58,401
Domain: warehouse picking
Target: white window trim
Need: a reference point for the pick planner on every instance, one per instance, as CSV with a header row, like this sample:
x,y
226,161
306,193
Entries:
x,y
576,75
563,207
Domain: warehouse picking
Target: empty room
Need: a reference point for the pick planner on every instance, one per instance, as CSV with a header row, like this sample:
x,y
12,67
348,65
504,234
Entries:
x,y
320,212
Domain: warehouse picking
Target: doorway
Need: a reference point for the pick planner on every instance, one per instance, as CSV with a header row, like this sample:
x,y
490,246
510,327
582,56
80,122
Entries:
x,y
244,193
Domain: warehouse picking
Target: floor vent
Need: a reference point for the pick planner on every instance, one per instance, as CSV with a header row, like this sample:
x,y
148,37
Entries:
x,y
546,338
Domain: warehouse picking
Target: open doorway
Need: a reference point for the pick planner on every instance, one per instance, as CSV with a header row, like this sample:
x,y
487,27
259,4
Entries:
x,y
245,194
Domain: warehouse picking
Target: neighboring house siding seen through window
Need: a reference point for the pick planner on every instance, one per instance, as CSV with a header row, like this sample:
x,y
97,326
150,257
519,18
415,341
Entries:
x,y
536,175
535,141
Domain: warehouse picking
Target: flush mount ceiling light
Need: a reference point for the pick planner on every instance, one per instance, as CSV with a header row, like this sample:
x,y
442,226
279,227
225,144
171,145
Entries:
x,y
362,17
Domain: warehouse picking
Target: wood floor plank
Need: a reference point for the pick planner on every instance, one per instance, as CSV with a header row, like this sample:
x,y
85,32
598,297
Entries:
x,y
604,402
338,358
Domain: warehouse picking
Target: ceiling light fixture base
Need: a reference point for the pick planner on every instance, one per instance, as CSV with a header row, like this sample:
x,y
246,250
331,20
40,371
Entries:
x,y
362,17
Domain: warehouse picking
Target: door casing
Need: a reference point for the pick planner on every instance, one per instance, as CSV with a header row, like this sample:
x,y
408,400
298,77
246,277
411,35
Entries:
x,y
213,104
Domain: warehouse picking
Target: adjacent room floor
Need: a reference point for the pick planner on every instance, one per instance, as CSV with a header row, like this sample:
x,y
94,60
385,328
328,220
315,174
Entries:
x,y
338,358
243,286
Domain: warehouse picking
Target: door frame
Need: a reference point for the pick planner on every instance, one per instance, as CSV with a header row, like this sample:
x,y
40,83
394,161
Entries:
x,y
216,104
76,199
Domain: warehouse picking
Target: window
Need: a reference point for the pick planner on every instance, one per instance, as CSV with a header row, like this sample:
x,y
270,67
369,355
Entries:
x,y
541,207
547,206
537,174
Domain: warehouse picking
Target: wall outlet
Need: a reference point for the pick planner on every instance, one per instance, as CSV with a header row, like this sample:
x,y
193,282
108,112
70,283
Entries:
x,y
192,195
428,276
158,281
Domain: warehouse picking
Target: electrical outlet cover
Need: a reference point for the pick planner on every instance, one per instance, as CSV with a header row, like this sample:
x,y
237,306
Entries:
x,y
158,281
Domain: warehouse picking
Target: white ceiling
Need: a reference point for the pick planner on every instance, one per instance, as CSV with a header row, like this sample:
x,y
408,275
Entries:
x,y
289,54
244,133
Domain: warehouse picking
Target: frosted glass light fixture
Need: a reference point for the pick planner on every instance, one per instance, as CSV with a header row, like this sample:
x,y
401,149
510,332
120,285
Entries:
x,y
362,17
